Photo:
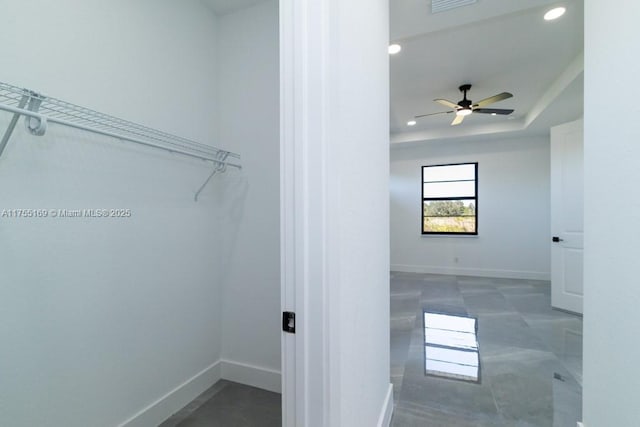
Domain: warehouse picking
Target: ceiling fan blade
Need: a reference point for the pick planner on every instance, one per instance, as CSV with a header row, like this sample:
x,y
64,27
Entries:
x,y
446,103
492,99
457,120
492,111
433,114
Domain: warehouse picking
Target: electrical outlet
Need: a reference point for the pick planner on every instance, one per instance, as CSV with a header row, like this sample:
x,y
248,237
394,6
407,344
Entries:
x,y
581,424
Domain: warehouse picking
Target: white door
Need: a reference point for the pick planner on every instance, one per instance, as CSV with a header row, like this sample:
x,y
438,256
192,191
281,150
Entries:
x,y
567,216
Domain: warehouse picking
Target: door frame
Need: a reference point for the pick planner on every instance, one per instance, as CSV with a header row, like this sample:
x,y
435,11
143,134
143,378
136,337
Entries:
x,y
303,211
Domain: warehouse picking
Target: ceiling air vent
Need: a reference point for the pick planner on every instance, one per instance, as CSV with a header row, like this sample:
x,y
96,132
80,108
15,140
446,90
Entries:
x,y
444,5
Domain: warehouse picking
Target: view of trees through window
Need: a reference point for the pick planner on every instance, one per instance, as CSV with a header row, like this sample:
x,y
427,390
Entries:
x,y
449,199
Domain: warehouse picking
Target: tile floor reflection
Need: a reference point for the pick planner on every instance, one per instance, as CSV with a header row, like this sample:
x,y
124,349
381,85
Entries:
x,y
531,355
451,346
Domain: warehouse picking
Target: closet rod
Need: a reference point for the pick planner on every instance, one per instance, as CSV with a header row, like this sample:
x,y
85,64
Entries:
x,y
40,110
41,118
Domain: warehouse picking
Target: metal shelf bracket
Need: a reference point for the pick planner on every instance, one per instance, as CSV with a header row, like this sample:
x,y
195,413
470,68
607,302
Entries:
x,y
219,168
12,124
35,125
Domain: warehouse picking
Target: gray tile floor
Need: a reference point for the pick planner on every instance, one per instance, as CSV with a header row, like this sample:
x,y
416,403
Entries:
x,y
530,354
229,404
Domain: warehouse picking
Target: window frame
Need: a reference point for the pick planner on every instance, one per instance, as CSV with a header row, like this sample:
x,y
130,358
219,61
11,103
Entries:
x,y
423,199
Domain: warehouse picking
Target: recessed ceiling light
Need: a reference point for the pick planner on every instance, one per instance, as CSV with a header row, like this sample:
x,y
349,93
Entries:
x,y
493,114
411,123
394,48
554,13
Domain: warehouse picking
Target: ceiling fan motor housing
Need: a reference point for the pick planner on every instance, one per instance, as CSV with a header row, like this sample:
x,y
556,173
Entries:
x,y
465,103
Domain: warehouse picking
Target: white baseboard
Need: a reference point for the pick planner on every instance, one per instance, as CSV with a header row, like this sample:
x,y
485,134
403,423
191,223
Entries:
x,y
256,376
384,420
459,271
176,399
158,411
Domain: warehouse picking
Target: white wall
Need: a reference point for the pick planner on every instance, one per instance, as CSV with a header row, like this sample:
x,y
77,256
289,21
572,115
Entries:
x,y
358,212
513,210
611,291
101,318
249,123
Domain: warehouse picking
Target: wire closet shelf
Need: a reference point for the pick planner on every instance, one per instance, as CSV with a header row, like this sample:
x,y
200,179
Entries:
x,y
39,110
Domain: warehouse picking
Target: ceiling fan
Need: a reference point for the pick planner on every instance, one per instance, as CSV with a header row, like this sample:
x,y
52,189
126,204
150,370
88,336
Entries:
x,y
466,107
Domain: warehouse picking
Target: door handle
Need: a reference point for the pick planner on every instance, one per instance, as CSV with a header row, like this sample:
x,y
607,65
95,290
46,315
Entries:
x,y
557,239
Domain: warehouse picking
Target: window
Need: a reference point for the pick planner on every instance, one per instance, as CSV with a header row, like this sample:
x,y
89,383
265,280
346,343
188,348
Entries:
x,y
450,199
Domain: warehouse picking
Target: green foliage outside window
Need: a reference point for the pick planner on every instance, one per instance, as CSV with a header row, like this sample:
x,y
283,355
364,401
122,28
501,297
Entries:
x,y
449,208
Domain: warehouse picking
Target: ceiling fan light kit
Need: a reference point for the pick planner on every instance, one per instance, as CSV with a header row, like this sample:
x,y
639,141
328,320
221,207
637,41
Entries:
x,y
466,106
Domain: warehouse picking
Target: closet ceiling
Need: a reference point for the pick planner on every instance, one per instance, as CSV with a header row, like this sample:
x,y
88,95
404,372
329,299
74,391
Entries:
x,y
496,46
